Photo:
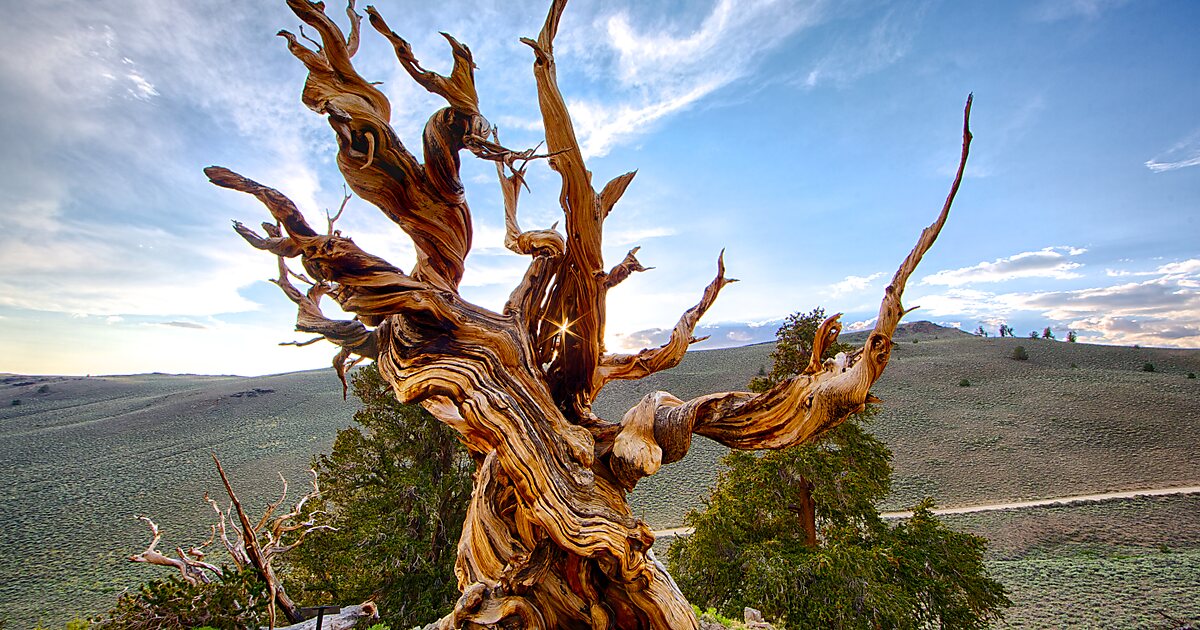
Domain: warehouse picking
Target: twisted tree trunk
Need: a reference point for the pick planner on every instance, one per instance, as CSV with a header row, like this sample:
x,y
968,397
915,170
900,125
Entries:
x,y
550,541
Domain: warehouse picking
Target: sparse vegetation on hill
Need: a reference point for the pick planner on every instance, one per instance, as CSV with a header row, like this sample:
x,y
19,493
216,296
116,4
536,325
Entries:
x,y
1037,429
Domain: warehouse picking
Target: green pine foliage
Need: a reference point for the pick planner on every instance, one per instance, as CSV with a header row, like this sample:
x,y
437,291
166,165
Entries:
x,y
397,487
748,548
238,600
793,348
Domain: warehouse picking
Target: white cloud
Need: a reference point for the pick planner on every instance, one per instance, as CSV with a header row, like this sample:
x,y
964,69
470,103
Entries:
x,y
1161,310
636,235
865,324
852,284
1182,154
1049,262
114,271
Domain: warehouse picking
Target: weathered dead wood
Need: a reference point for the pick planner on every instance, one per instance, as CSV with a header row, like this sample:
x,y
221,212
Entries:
x,y
549,540
348,618
245,549
192,569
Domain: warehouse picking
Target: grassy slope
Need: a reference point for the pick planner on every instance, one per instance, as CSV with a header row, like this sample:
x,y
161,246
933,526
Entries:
x,y
81,460
1114,564
89,454
1022,429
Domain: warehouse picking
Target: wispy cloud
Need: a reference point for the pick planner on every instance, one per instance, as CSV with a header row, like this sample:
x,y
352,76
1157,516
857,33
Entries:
x,y
1182,154
1055,10
662,69
720,335
636,235
1049,262
885,43
852,284
179,324
105,182
1161,310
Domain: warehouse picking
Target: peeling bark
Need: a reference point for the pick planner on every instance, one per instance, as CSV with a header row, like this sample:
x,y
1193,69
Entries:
x,y
550,541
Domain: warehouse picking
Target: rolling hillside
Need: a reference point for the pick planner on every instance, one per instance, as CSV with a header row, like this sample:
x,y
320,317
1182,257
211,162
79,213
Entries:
x,y
84,455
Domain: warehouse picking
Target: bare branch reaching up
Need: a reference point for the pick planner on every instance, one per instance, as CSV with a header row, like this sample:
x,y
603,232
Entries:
x,y
255,555
634,366
657,431
194,571
627,267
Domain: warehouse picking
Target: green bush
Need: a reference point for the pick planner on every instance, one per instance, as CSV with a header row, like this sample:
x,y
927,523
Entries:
x,y
15,402
239,600
397,487
752,546
964,383
1020,354
1147,367
1191,375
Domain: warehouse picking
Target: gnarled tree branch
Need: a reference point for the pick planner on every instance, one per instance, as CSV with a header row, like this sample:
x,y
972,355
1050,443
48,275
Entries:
x,y
550,540
658,430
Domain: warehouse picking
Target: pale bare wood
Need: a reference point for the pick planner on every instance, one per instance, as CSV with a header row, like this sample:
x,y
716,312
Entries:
x,y
245,549
347,619
549,540
193,570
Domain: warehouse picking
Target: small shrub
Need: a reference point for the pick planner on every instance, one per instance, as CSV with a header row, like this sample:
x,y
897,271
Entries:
x,y
1147,367
964,383
44,389
1019,353
1047,333
1074,367
1072,337
711,615
916,340
15,402
1191,375
1033,334
238,601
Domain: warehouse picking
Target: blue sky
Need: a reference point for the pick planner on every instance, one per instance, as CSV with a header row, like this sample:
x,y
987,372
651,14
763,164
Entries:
x,y
811,140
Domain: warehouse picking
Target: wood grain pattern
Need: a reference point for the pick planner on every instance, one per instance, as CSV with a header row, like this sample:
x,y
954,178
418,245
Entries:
x,y
550,541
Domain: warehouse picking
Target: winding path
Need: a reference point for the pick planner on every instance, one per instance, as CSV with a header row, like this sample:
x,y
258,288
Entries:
x,y
1013,505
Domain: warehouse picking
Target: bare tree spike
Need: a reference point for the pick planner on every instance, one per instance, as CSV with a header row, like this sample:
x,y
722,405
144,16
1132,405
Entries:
x,y
549,541
245,550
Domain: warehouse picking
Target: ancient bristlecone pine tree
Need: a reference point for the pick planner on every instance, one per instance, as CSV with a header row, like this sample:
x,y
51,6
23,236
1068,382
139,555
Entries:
x,y
550,541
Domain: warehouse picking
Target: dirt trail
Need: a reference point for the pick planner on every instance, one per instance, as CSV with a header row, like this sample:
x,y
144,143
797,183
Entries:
x,y
1013,505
